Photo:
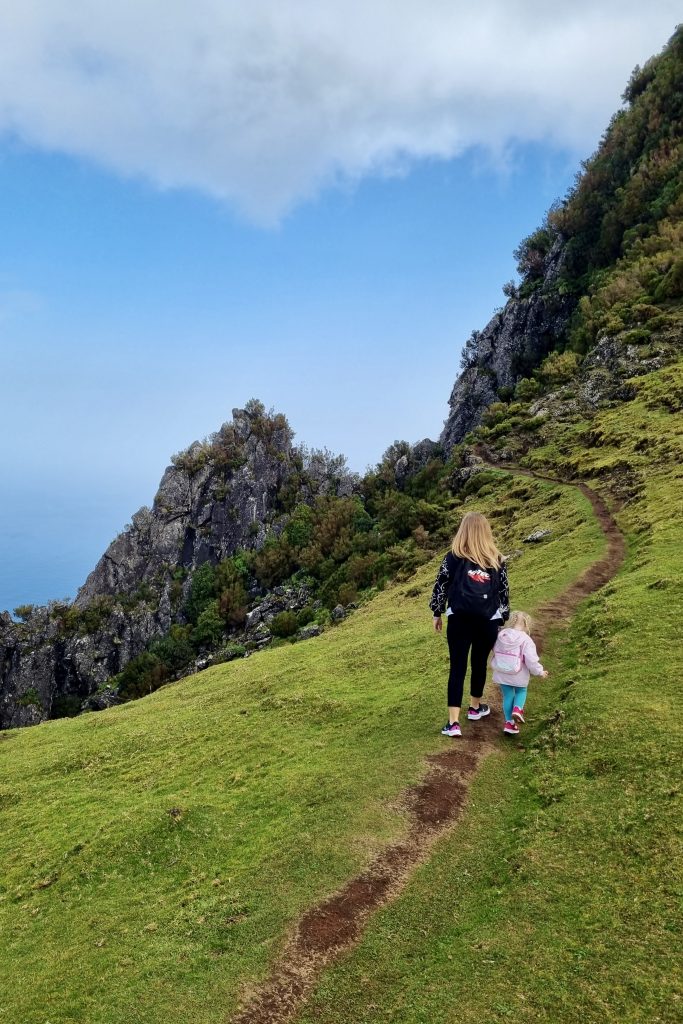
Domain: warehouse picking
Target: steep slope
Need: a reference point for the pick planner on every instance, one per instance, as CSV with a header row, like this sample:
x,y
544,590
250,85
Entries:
x,y
558,896
326,931
604,273
154,855
560,888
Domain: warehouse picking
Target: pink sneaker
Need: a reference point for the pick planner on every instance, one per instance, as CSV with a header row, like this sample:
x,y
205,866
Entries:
x,y
451,729
511,728
518,714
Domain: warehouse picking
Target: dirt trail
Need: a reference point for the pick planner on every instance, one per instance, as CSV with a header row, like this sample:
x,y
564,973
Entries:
x,y
432,807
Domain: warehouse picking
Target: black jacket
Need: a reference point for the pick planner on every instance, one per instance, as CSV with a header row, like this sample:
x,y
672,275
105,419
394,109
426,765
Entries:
x,y
445,576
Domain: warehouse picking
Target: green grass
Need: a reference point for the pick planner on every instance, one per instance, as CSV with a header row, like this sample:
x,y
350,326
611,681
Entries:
x,y
154,855
557,896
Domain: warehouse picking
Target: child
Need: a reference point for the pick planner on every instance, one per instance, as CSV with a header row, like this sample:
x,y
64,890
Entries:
x,y
472,586
514,659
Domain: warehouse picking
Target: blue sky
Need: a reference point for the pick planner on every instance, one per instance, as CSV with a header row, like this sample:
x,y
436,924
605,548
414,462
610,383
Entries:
x,y
139,304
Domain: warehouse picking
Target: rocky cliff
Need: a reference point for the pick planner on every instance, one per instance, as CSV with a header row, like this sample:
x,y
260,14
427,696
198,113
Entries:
x,y
224,494
513,342
602,277
215,498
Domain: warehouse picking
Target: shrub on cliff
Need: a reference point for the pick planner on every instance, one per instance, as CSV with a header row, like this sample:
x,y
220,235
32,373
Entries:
x,y
285,624
202,591
532,251
558,368
175,650
142,675
274,562
231,576
210,628
23,612
232,604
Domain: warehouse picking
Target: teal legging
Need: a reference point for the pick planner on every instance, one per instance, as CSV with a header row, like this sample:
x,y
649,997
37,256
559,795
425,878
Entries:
x,y
513,697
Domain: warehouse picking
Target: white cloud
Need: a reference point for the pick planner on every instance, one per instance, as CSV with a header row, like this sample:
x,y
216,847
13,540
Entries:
x,y
262,104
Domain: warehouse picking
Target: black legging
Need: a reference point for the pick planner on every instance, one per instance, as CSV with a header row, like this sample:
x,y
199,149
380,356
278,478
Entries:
x,y
467,630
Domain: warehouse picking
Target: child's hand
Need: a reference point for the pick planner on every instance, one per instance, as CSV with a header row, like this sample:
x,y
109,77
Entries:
x,y
544,674
438,624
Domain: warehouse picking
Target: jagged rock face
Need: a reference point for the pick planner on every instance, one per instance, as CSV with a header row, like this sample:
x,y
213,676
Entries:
x,y
45,674
611,363
205,509
514,341
197,516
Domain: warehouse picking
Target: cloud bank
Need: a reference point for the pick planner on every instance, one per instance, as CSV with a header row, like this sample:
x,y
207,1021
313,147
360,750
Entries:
x,y
262,104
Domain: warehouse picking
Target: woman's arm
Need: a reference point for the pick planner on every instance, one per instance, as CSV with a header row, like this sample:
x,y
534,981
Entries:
x,y
504,593
440,591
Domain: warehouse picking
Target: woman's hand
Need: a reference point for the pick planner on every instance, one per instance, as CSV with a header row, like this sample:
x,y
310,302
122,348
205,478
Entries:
x,y
438,624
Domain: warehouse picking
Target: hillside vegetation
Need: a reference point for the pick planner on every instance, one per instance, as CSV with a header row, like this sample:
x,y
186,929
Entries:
x,y
621,220
154,855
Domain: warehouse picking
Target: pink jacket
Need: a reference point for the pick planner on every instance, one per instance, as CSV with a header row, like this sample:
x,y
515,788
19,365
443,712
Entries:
x,y
511,643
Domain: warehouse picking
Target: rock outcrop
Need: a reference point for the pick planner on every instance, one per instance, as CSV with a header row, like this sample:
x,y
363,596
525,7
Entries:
x,y
203,511
218,496
47,672
513,342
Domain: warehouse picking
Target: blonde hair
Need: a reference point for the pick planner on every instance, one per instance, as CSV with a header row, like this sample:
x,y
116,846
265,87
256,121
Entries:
x,y
474,540
520,620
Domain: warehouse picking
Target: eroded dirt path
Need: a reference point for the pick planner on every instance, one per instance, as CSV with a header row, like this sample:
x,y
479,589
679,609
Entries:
x,y
432,807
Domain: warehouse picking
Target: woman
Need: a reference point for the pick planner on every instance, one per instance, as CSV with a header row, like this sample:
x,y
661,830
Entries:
x,y
472,587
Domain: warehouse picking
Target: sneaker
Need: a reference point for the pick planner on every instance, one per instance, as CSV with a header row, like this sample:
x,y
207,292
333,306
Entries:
x,y
474,714
451,730
518,713
511,728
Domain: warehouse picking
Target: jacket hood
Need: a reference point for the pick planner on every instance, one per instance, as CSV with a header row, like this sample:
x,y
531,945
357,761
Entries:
x,y
511,639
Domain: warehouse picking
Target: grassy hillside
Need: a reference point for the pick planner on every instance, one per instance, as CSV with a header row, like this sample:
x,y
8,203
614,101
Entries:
x,y
154,855
557,897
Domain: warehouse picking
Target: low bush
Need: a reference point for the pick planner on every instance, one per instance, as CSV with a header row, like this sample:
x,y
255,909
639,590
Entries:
x,y
142,675
305,616
230,652
285,624
558,368
68,705
202,591
23,612
348,594
527,389
174,650
638,336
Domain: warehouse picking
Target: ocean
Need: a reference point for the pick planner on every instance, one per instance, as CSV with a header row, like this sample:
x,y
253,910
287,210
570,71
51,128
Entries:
x,y
50,539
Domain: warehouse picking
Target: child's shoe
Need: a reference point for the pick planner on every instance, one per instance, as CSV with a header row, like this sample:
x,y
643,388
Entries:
x,y
518,713
511,728
451,729
474,714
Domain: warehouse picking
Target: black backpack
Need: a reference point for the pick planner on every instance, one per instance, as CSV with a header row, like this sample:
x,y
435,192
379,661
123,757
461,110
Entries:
x,y
473,589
